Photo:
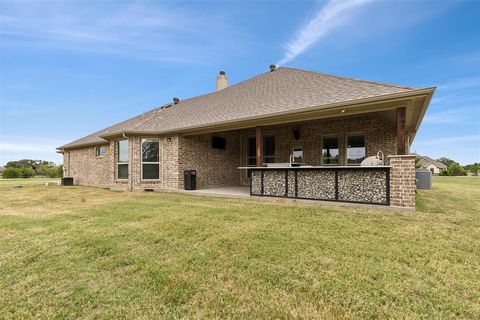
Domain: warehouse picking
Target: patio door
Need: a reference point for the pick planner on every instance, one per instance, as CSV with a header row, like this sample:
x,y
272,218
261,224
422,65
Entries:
x,y
268,150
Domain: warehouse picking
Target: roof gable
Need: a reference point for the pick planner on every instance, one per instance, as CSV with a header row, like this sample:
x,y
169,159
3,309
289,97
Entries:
x,y
424,161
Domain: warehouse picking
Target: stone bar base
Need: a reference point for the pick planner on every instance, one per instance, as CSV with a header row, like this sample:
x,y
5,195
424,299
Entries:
x,y
368,185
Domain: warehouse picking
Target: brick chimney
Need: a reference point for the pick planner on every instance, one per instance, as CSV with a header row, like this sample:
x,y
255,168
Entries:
x,y
222,81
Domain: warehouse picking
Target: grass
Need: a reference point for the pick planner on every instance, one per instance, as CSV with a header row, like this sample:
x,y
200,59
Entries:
x,y
70,252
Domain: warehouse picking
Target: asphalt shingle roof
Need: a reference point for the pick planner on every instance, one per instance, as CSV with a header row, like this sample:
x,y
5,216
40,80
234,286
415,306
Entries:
x,y
284,90
424,161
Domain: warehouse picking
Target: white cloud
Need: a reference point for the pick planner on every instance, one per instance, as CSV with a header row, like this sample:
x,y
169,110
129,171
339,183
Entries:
x,y
20,147
152,30
331,16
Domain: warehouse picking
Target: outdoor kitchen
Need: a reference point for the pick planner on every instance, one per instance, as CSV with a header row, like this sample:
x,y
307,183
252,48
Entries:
x,y
368,183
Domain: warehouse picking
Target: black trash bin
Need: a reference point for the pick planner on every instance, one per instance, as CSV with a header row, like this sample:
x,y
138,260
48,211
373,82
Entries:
x,y
190,179
67,181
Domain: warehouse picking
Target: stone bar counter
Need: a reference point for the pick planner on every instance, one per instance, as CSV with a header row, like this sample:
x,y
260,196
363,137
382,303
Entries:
x,y
368,185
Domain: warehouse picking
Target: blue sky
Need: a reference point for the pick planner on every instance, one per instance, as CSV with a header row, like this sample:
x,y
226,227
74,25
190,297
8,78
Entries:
x,y
68,68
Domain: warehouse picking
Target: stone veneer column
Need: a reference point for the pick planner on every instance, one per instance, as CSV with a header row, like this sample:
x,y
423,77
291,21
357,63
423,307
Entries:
x,y
402,181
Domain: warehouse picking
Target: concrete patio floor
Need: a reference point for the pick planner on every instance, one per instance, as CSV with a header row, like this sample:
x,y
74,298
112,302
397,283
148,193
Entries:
x,y
227,191
244,192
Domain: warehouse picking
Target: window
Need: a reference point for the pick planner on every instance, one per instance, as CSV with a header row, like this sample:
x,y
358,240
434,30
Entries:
x,y
100,152
122,159
252,149
150,159
330,151
268,150
297,154
355,148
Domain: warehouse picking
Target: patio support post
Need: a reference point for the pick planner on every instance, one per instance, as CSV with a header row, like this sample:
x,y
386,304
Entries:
x,y
401,142
259,144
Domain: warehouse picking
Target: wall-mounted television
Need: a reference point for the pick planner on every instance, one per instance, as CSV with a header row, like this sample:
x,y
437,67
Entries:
x,y
219,143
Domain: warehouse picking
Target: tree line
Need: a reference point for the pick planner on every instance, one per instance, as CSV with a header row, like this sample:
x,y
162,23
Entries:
x,y
27,168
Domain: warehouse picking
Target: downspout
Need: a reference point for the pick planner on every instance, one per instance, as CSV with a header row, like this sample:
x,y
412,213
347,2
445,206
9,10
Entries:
x,y
130,162
67,169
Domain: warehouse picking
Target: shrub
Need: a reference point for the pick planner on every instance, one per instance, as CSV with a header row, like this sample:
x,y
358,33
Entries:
x,y
25,172
50,171
59,171
456,170
10,173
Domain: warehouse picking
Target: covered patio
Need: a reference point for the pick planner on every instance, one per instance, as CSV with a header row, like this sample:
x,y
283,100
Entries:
x,y
309,160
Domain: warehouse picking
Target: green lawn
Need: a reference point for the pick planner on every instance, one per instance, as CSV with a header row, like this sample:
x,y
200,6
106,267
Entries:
x,y
69,252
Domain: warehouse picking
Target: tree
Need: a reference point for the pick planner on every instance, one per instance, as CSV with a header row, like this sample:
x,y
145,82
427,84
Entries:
x,y
29,163
446,161
10,173
39,167
456,170
472,168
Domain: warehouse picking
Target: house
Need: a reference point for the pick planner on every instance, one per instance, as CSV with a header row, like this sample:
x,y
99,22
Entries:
x,y
286,132
435,167
1,170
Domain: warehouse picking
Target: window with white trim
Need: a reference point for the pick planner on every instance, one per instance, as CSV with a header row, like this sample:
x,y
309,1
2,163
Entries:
x,y
122,159
330,153
100,151
150,159
355,148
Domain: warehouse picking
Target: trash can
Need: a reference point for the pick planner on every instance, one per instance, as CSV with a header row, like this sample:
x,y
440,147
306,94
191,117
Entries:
x,y
67,181
423,178
190,179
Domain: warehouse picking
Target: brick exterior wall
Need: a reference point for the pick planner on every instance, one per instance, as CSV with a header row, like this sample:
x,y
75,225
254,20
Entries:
x,y
169,177
88,169
219,167
379,135
215,167
402,181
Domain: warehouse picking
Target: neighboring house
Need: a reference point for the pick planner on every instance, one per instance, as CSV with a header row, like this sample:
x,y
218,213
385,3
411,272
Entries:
x,y
330,123
435,167
1,170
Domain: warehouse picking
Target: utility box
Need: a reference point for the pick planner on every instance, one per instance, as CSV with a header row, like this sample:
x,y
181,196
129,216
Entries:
x,y
423,178
67,181
190,180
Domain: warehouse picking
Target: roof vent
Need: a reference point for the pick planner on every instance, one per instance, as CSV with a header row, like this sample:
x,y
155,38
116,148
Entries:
x,y
176,100
273,67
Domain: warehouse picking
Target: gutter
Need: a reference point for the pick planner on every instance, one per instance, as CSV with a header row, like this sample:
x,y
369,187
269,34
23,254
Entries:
x,y
130,162
423,110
